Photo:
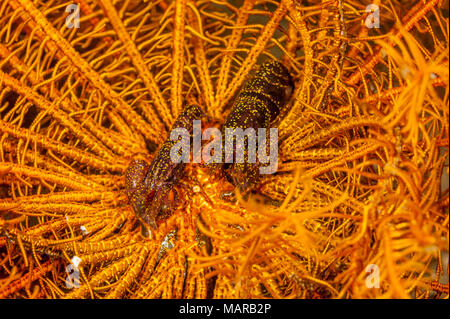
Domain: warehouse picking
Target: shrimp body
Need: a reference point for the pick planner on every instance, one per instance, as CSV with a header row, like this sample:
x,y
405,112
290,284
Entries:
x,y
258,104
148,185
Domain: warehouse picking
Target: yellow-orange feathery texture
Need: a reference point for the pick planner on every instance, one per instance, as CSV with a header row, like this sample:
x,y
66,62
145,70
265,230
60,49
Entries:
x,y
360,189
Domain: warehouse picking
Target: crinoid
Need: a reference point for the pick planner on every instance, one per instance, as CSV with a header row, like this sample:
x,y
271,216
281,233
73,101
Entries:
x,y
356,209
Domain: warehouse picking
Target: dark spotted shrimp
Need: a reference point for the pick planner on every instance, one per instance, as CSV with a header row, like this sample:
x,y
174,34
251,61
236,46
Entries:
x,y
258,104
148,186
